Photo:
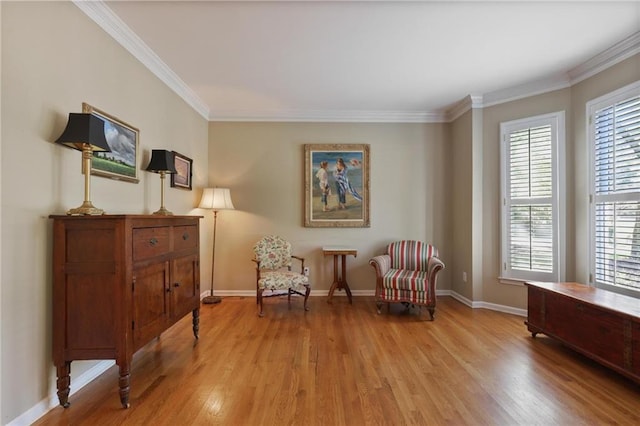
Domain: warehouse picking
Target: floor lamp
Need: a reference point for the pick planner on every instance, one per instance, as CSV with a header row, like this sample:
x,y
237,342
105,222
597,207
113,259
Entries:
x,y
215,199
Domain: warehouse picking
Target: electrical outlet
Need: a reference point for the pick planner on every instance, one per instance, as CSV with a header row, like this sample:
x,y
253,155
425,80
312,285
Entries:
x,y
464,277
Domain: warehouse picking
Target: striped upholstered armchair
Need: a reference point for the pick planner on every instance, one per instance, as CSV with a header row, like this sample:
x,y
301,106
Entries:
x,y
407,274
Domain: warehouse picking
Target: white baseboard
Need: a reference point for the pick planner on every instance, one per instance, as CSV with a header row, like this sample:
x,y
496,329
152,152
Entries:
x,y
47,404
340,293
486,305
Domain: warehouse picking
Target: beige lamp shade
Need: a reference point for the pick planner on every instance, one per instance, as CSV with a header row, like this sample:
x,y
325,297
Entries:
x,y
216,199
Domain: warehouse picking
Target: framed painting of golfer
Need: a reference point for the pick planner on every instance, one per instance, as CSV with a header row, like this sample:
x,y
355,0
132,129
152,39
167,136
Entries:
x,y
336,186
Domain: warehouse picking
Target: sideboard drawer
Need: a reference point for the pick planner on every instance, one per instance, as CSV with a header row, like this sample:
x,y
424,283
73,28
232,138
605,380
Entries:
x,y
185,237
150,242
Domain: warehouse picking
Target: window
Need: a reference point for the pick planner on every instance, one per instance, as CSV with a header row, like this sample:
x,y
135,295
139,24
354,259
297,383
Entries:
x,y
614,134
530,178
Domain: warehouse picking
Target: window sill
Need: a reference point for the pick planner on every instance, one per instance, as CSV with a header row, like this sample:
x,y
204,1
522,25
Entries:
x,y
511,281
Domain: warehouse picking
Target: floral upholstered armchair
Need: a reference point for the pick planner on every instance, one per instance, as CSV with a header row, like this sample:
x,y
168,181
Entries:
x,y
273,260
408,274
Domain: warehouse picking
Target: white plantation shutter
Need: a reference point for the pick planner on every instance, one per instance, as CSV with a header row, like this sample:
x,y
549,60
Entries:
x,y
530,190
615,133
529,187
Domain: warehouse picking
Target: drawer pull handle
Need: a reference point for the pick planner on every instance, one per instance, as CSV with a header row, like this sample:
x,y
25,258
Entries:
x,y
176,284
185,236
153,242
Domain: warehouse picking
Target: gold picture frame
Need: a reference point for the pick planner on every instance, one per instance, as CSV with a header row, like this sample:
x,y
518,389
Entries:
x,y
123,139
336,186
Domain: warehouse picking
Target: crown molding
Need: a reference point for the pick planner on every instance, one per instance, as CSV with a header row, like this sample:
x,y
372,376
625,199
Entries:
x,y
613,55
332,116
606,59
106,19
465,104
531,88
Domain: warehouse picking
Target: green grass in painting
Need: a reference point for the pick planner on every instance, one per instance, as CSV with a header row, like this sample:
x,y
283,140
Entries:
x,y
113,167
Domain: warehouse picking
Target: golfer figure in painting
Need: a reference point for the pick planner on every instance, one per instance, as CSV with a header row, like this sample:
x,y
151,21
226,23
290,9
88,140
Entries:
x,y
323,178
343,185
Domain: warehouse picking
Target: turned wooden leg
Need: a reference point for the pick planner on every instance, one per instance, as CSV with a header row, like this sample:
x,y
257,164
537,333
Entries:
x,y
63,382
306,298
379,307
196,322
260,313
124,384
336,278
432,312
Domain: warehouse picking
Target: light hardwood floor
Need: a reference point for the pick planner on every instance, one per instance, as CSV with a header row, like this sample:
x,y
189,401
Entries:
x,y
343,364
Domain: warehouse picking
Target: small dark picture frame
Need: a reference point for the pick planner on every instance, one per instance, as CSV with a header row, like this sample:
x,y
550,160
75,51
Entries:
x,y
182,179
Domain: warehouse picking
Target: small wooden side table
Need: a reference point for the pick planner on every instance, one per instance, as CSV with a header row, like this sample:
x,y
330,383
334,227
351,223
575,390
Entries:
x,y
339,280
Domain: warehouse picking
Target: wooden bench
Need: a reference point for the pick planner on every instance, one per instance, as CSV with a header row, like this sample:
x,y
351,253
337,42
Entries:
x,y
600,324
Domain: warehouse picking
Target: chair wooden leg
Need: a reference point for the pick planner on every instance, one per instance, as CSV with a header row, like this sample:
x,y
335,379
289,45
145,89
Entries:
x,y
306,298
379,307
432,312
260,291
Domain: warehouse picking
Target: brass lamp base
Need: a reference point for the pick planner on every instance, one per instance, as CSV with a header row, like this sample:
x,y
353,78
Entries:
x,y
163,212
210,300
85,209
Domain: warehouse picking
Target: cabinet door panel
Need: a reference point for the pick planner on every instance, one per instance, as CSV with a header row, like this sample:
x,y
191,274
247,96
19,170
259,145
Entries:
x,y
90,299
603,337
150,303
635,348
185,285
560,313
535,307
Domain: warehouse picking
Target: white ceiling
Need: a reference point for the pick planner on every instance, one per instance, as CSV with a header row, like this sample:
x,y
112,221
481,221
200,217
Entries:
x,y
367,60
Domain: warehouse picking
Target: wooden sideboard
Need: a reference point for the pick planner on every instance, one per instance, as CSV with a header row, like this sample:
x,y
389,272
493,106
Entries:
x,y
600,324
118,282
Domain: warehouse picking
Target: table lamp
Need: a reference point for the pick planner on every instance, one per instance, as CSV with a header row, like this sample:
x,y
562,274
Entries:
x,y
85,132
162,162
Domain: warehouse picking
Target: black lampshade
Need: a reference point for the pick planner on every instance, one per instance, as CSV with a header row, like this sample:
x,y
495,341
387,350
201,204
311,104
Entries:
x,y
84,129
162,161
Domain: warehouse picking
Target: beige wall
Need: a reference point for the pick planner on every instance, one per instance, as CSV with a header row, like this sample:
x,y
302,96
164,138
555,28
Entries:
x,y
53,59
1,239
477,202
495,292
576,231
461,204
263,164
